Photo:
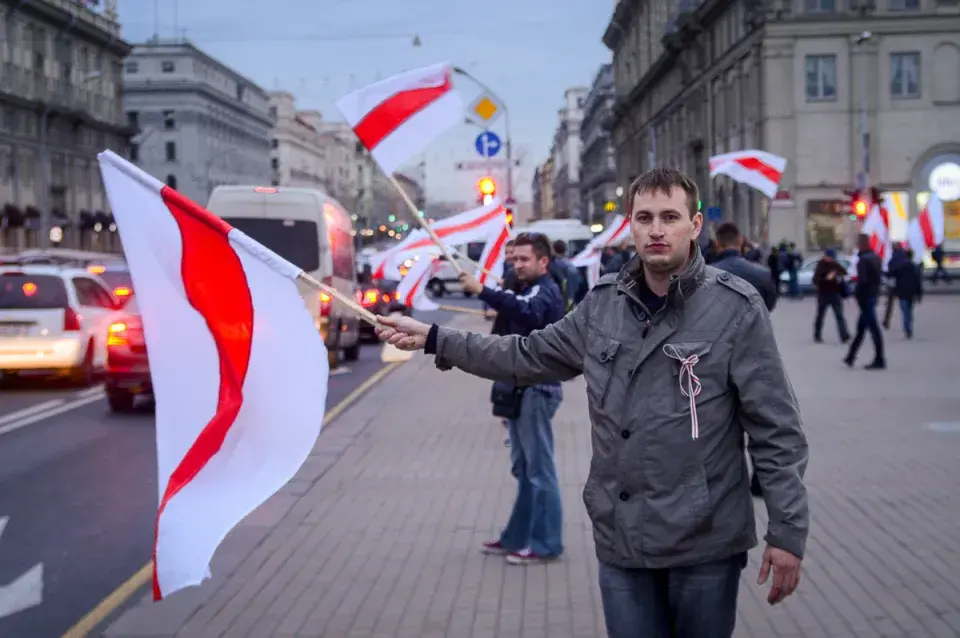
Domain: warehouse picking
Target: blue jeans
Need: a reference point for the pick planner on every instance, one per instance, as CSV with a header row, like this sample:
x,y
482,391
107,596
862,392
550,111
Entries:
x,y
906,311
536,522
794,284
699,601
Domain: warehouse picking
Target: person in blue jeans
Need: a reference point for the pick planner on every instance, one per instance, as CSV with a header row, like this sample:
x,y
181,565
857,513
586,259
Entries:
x,y
534,532
908,287
867,294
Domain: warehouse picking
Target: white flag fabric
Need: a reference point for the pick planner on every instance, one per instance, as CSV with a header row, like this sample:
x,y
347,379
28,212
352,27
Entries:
x,y
238,367
877,227
758,169
473,225
397,118
616,232
412,288
493,258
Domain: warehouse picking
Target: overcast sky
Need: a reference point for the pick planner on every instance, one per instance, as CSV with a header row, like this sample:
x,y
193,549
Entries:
x,y
528,51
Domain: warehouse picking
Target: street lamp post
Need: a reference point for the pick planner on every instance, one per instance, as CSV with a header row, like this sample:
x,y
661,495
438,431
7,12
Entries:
x,y
506,116
864,181
45,166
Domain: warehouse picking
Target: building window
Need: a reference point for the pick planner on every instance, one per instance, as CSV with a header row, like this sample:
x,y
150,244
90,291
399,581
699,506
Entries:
x,y
905,75
167,66
274,163
821,77
820,6
239,92
172,181
134,152
904,5
169,120
274,143
171,151
132,67
133,120
273,111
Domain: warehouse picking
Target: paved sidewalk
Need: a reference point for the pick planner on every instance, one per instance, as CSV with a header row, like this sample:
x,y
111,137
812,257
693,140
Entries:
x,y
378,534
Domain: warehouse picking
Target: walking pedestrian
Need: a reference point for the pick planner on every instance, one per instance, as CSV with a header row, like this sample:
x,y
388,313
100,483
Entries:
x,y
829,279
730,258
867,294
680,361
897,257
908,286
534,532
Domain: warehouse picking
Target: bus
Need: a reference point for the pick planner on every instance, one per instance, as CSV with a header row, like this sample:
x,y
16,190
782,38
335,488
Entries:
x,y
312,230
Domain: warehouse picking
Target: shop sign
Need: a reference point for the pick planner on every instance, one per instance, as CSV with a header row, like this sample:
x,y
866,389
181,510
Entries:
x,y
945,181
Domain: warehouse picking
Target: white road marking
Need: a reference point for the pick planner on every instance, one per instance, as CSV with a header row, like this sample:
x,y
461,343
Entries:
x,y
33,409
24,592
340,370
52,410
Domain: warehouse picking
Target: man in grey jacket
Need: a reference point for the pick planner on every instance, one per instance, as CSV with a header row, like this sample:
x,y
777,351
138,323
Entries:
x,y
680,361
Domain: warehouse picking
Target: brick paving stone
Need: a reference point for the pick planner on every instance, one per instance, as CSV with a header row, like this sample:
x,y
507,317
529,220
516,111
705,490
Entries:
x,y
378,534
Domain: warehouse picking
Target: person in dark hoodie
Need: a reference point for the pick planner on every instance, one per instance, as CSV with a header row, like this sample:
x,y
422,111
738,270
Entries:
x,y
829,279
867,294
908,287
729,257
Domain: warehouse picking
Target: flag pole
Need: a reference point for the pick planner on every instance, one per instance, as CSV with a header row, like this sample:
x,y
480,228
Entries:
x,y
364,314
468,311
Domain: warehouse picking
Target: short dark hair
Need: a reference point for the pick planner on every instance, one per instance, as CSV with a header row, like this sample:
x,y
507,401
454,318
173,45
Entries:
x,y
509,243
559,248
728,235
664,180
537,241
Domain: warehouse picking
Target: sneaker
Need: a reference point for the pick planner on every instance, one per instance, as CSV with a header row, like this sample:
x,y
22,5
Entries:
x,y
526,557
493,548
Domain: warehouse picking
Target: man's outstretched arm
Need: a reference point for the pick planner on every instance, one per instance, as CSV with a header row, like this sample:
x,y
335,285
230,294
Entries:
x,y
554,353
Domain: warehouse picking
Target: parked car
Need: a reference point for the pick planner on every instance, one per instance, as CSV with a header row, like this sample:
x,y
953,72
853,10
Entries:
x,y
805,273
127,373
117,276
53,321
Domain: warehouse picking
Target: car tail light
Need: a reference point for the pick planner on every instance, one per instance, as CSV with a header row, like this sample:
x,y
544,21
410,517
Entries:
x,y
119,332
122,292
370,297
386,298
396,295
71,320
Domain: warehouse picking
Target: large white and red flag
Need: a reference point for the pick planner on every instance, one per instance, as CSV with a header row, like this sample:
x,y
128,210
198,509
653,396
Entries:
x,y
926,230
474,225
397,118
616,232
411,290
238,368
758,169
493,258
877,227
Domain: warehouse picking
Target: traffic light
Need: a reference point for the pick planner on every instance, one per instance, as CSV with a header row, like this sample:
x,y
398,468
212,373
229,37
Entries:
x,y
509,218
487,188
858,205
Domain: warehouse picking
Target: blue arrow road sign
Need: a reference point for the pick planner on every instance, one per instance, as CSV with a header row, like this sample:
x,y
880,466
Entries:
x,y
488,144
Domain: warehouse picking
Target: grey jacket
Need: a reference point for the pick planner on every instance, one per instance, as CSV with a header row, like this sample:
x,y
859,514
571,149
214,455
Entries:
x,y
668,483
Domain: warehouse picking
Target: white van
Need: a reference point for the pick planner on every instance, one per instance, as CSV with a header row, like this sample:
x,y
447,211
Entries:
x,y
444,279
312,230
576,234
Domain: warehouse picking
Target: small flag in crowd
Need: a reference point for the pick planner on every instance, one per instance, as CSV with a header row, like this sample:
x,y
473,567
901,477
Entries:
x,y
475,225
616,232
238,367
493,257
877,226
398,117
758,169
926,230
412,288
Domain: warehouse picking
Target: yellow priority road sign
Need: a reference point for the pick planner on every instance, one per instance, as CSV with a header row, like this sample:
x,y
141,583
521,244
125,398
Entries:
x,y
485,109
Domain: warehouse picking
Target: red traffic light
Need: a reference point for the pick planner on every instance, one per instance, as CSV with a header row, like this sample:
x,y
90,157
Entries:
x,y
509,218
487,186
860,208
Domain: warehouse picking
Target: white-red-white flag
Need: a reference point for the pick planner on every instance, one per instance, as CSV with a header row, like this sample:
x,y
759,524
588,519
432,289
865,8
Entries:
x,y
398,117
470,226
615,233
758,169
239,370
493,258
926,230
411,290
877,227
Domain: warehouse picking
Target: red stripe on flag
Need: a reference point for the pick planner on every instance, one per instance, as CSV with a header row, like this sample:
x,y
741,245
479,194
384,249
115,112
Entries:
x,y
757,166
458,228
495,252
390,114
926,227
217,288
408,301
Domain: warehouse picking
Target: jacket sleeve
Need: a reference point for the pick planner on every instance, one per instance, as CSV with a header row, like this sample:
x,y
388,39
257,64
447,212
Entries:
x,y
770,294
554,353
819,273
530,310
771,418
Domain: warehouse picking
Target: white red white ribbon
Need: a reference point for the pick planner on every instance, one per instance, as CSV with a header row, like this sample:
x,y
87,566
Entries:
x,y
689,384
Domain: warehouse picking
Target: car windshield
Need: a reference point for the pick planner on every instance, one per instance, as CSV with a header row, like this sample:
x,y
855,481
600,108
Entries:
x,y
20,291
295,240
117,279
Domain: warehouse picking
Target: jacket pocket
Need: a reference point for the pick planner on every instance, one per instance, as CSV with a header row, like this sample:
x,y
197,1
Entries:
x,y
598,368
678,519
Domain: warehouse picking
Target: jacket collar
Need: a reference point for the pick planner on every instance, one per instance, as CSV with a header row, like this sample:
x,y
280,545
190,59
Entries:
x,y
730,252
681,286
